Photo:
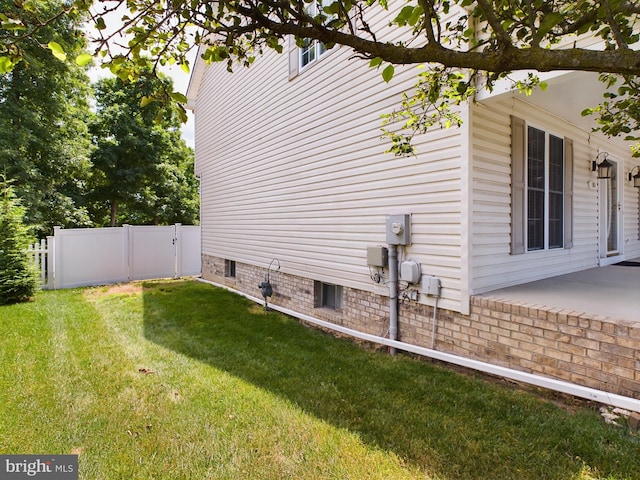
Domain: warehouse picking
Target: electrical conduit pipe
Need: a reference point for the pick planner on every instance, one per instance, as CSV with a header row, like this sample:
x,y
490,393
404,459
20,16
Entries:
x,y
393,295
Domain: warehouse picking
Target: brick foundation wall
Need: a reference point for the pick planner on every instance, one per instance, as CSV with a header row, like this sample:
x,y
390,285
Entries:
x,y
587,350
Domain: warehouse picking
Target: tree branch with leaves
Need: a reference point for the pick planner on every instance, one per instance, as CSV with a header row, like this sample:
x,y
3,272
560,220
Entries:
x,y
485,40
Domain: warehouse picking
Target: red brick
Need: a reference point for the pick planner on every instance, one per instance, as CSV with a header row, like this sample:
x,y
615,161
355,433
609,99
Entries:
x,y
587,362
601,337
573,349
544,360
628,342
556,372
488,336
501,332
571,330
617,350
584,342
557,336
616,370
532,331
572,367
545,342
634,332
521,337
557,354
510,341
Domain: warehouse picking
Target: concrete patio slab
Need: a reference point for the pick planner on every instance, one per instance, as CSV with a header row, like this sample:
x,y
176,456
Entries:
x,y
612,291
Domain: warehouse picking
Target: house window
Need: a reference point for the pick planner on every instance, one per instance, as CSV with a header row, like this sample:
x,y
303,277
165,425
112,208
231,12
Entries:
x,y
545,190
541,189
230,268
327,295
312,50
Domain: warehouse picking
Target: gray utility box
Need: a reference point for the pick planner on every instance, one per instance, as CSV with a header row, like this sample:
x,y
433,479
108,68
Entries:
x,y
377,256
399,229
431,285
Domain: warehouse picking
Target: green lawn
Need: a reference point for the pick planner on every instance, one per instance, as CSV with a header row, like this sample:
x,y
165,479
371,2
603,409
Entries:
x,y
180,380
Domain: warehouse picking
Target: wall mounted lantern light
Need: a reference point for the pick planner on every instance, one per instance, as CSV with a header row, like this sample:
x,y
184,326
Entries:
x,y
604,167
636,177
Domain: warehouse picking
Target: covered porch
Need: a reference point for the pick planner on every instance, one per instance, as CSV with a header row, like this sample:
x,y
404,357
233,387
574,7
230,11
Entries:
x,y
611,292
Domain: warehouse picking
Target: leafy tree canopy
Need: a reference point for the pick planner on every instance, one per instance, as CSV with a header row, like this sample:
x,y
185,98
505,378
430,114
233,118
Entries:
x,y
142,169
44,107
487,40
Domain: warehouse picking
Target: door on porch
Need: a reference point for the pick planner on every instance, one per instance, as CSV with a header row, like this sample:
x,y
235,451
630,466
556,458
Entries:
x,y
610,215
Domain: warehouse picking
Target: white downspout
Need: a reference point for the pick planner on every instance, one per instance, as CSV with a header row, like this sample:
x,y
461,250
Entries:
x,y
393,295
592,394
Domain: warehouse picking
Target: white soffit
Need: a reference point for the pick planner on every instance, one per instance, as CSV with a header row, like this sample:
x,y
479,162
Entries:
x,y
566,96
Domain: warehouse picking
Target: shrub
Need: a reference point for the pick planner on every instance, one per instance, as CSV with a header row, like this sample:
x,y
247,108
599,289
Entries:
x,y
17,276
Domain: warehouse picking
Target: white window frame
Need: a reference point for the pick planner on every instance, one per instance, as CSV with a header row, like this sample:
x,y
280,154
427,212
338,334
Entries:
x,y
317,48
546,213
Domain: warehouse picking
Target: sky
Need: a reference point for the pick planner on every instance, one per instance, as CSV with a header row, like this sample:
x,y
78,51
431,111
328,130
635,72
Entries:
x,y
181,83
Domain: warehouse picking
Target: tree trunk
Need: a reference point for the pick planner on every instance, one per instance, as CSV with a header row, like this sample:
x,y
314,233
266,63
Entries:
x,y
114,209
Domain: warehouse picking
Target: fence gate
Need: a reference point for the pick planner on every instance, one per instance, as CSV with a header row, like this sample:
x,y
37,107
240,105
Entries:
x,y
81,257
152,252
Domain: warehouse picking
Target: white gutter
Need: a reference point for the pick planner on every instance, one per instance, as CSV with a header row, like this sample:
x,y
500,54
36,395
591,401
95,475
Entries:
x,y
592,394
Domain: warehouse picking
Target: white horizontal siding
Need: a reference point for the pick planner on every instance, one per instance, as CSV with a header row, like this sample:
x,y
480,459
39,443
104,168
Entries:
x,y
296,170
492,264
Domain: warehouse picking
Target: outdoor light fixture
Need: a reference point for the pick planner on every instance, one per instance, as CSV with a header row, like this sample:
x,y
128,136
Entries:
x,y
636,177
604,167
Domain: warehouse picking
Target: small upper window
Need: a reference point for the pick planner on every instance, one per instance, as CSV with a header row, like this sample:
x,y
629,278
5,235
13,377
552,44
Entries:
x,y
312,50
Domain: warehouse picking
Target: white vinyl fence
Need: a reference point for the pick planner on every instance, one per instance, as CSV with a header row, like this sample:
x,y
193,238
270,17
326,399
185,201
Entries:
x,y
80,257
38,255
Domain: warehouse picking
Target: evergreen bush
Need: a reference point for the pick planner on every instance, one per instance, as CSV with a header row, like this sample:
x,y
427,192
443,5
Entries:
x,y
17,276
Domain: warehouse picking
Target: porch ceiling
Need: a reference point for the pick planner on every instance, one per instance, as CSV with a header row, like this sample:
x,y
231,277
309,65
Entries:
x,y
567,95
612,291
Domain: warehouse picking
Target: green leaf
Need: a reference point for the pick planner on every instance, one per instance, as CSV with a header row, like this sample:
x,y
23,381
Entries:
x,y
57,51
543,86
182,114
403,17
548,22
83,59
415,15
144,101
6,65
30,6
178,97
185,67
375,62
333,9
100,25
387,73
